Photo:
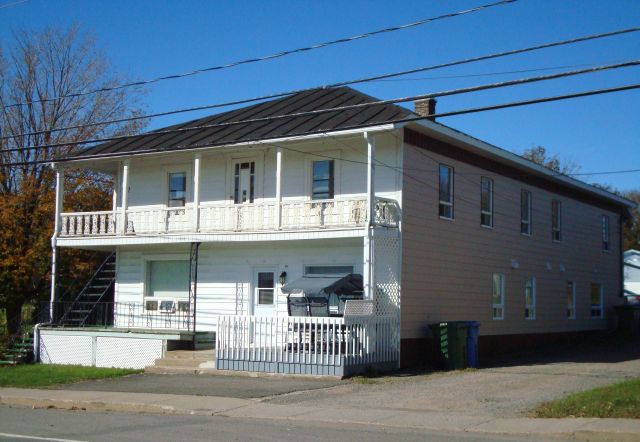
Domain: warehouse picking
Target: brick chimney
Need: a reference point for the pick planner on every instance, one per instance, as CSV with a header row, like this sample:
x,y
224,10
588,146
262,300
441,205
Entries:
x,y
425,107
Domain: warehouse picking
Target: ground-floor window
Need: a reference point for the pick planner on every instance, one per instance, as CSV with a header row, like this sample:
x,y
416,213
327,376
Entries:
x,y
571,299
167,288
497,300
530,298
596,300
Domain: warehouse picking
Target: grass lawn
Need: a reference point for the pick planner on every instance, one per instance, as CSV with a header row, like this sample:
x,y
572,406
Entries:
x,y
42,375
618,400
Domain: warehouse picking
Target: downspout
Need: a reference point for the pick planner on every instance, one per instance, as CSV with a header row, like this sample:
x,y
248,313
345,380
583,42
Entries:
x,y
36,340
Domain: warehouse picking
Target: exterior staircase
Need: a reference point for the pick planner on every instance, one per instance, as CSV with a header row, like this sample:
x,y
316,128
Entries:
x,y
185,362
19,351
94,304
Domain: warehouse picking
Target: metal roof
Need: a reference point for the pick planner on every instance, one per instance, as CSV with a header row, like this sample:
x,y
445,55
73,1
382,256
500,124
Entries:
x,y
313,100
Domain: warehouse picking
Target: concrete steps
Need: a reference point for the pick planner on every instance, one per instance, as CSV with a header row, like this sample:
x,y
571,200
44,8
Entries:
x,y
184,362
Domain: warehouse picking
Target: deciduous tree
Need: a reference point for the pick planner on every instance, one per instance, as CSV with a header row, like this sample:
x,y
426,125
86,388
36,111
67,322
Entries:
x,y
41,71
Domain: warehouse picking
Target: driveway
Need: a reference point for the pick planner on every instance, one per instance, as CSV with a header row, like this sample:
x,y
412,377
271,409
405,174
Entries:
x,y
508,388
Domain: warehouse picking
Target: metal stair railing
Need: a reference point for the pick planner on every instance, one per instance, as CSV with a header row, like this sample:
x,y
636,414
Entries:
x,y
90,284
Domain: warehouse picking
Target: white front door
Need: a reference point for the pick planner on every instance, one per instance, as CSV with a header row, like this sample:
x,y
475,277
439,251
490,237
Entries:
x,y
264,292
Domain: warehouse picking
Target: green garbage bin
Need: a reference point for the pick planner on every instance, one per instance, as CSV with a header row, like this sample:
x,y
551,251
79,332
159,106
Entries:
x,y
452,340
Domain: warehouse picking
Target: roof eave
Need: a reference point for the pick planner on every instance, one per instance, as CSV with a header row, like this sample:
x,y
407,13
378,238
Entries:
x,y
116,156
496,153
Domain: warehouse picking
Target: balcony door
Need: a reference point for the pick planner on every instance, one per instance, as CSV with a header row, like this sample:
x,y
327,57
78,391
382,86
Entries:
x,y
244,178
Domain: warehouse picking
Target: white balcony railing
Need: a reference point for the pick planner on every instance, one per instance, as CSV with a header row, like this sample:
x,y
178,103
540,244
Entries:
x,y
294,215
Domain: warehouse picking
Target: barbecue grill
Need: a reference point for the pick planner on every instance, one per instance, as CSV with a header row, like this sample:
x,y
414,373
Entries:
x,y
322,296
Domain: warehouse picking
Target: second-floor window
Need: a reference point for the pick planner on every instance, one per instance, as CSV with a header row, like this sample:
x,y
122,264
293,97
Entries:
x,y
177,189
486,201
322,185
556,220
445,207
605,232
525,212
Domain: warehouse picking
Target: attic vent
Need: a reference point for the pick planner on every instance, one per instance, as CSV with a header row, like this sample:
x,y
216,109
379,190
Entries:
x,y
425,107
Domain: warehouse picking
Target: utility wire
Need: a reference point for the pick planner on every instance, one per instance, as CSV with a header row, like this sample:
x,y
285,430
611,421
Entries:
x,y
361,126
8,5
494,73
272,56
333,85
339,108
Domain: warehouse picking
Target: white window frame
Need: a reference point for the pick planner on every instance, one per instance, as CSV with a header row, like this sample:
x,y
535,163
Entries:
x,y
497,310
309,158
488,213
528,222
556,230
257,288
444,203
571,308
180,168
606,233
599,307
177,300
530,310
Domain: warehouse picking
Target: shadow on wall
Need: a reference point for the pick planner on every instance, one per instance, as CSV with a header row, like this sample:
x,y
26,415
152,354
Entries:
x,y
585,347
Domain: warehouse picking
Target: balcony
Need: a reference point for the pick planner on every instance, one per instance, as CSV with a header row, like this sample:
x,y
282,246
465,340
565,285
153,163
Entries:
x,y
214,218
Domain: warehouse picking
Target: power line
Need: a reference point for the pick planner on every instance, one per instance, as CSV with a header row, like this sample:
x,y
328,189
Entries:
x,y
333,85
8,5
339,108
272,56
494,73
362,126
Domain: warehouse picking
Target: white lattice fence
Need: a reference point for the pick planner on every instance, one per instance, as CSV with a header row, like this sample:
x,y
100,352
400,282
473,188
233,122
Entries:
x,y
386,276
386,246
127,352
66,350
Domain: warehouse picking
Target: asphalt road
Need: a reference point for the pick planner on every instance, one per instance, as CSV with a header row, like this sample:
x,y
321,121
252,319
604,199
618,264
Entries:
x,y
22,424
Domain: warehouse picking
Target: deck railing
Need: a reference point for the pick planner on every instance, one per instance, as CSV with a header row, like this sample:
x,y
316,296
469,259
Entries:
x,y
231,218
125,315
313,345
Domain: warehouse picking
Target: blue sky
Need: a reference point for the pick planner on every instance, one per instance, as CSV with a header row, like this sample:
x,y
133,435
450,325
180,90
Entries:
x,y
145,38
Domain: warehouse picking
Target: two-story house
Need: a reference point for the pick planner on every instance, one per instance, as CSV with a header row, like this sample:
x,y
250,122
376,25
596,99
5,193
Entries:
x,y
217,223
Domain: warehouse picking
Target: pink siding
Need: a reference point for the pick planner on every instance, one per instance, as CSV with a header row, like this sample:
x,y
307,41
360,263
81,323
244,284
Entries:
x,y
448,265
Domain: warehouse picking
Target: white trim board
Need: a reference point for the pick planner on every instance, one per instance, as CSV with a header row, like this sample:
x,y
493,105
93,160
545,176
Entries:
x,y
213,237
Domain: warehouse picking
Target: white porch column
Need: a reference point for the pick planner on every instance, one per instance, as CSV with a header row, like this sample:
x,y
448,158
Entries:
x,y
368,276
278,188
196,192
116,184
59,200
54,239
124,197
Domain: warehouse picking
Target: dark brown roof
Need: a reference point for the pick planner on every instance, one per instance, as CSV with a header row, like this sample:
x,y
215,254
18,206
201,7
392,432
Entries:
x,y
307,101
